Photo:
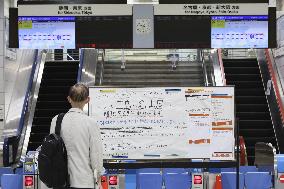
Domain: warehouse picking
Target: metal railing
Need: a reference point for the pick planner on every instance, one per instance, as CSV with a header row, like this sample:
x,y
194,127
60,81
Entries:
x,y
88,66
102,54
276,80
150,55
53,56
238,53
201,59
13,145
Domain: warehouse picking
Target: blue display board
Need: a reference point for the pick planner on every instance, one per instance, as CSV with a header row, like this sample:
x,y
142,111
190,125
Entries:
x,y
46,32
239,32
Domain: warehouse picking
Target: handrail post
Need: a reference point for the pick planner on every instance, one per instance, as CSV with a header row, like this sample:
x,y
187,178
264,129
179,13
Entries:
x,y
102,67
200,58
123,61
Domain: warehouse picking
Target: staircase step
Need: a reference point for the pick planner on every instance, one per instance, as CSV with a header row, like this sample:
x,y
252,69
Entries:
x,y
55,90
252,108
255,124
251,100
33,145
243,77
153,76
154,84
41,128
62,63
151,80
49,112
52,97
241,70
245,84
165,66
250,92
240,63
259,132
60,69
251,141
58,82
38,137
54,104
42,120
60,75
253,115
154,71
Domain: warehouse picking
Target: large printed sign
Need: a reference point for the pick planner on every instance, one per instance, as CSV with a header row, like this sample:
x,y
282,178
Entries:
x,y
75,10
159,9
212,9
166,123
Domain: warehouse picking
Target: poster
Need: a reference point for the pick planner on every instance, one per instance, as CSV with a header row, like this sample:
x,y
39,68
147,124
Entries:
x,y
165,123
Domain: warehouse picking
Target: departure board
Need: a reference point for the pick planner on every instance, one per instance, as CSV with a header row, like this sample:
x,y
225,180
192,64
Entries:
x,y
239,32
104,32
184,27
46,32
182,31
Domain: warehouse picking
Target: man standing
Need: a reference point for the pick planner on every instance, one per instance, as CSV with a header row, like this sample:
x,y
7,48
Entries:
x,y
82,139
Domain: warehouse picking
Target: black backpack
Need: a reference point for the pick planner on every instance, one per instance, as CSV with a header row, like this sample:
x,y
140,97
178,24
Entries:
x,y
52,159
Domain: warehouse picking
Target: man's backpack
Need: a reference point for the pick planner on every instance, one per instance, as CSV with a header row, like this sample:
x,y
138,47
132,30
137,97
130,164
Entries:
x,y
52,159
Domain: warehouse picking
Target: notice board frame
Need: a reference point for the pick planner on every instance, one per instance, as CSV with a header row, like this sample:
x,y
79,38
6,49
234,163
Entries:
x,y
178,163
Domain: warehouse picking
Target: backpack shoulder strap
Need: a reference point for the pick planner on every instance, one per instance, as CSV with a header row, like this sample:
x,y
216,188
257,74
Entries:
x,y
58,123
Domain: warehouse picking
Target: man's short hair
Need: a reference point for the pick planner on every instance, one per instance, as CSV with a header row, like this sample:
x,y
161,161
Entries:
x,y
79,92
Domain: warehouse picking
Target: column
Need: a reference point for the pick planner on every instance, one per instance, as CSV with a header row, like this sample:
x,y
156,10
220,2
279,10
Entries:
x,y
2,46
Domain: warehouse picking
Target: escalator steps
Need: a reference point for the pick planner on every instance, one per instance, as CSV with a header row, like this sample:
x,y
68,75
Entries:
x,y
251,104
52,98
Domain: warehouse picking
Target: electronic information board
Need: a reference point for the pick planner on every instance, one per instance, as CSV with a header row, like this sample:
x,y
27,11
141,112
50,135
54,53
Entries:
x,y
46,32
239,32
70,26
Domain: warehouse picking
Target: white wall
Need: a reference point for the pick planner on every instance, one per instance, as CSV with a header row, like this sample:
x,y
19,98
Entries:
x,y
2,96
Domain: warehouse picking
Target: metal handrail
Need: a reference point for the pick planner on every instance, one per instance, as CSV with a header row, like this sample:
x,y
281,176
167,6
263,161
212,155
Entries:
x,y
275,83
204,67
15,140
102,66
28,123
222,67
81,65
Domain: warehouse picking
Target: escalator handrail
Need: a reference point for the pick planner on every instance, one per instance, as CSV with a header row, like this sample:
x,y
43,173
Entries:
x,y
13,140
275,84
222,67
27,95
81,65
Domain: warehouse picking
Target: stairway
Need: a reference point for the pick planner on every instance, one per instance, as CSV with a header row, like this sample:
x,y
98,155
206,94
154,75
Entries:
x,y
52,98
152,74
251,104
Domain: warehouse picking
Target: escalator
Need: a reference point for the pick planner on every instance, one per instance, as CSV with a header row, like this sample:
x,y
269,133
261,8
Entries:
x,y
251,104
56,80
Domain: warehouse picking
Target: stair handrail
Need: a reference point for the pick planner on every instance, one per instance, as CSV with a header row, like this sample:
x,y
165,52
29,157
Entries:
x,y
81,65
201,59
14,141
271,67
219,51
102,66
